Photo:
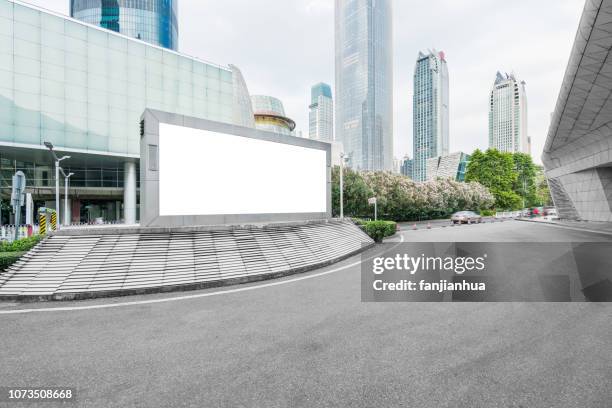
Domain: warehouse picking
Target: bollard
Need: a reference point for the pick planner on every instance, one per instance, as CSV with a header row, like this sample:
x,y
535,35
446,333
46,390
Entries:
x,y
54,220
42,223
429,225
414,227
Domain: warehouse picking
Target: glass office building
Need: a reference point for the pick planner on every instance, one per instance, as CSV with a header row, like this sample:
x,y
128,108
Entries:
x,y
430,111
364,82
153,21
321,113
84,88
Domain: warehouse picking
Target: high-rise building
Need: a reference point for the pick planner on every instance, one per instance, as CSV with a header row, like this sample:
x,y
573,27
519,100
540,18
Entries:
x,y
153,21
364,82
451,166
406,168
430,111
508,115
270,115
84,89
321,117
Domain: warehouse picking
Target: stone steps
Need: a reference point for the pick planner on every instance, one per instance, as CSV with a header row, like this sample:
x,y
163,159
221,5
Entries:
x,y
93,265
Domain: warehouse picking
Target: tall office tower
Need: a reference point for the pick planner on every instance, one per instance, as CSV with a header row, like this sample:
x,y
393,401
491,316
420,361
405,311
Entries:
x,y
430,111
270,115
508,115
321,117
153,21
406,168
364,82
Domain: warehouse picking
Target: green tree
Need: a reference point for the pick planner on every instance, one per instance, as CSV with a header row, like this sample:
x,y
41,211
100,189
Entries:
x,y
525,184
356,193
496,171
401,199
543,196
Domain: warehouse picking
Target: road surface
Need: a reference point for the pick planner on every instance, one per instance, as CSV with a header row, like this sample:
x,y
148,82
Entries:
x,y
308,341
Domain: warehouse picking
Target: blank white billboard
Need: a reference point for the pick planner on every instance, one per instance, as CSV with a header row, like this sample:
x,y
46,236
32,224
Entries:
x,y
203,172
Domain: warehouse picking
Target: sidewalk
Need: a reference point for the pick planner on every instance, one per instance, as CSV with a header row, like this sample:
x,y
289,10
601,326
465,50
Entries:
x,y
589,226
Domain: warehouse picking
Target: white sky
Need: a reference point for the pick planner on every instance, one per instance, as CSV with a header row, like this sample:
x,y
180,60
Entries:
x,y
285,46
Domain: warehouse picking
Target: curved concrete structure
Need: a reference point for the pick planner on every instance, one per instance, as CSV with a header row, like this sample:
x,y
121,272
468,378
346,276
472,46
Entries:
x,y
80,264
578,152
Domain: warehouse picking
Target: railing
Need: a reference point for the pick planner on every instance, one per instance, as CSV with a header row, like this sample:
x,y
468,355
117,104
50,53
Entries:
x,y
7,232
508,214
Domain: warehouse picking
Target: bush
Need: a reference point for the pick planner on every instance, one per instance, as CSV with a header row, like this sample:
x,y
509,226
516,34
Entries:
x,y
9,258
401,199
358,221
21,245
377,230
487,213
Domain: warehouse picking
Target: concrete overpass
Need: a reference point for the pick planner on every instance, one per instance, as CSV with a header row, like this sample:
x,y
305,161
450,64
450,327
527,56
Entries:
x,y
578,151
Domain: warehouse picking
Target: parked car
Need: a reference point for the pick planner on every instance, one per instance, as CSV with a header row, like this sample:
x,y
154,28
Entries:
x,y
550,211
466,217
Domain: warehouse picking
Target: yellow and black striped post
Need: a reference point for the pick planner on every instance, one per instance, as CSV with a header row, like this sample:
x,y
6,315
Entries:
x,y
54,220
42,223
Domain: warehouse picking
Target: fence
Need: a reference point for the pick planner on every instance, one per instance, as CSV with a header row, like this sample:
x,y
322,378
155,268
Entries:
x,y
509,214
7,232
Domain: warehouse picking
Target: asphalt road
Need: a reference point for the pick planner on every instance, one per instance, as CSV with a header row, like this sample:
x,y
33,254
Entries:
x,y
310,342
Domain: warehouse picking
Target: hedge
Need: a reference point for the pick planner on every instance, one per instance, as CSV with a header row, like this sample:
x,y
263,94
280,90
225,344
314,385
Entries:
x,y
9,258
378,230
11,252
21,245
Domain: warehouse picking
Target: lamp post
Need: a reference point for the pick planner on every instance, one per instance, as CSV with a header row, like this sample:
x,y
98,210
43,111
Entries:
x,y
342,155
66,214
57,170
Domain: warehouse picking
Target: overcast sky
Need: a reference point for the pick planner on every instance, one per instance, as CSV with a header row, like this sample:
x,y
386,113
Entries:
x,y
285,46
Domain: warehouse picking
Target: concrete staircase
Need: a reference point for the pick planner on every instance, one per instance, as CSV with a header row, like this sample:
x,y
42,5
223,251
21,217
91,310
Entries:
x,y
85,264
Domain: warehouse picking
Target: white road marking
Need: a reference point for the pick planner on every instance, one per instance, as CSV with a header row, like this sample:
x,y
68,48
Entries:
x,y
188,297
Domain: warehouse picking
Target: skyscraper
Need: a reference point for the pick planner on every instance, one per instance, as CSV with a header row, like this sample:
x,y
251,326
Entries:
x,y
430,111
508,115
153,21
321,117
364,82
406,168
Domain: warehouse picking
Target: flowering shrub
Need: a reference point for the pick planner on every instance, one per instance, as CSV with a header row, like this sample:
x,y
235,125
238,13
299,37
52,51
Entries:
x,y
401,199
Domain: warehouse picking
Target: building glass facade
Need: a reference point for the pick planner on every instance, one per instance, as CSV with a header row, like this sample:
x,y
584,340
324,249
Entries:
x,y
508,115
269,114
84,88
321,116
451,166
406,167
364,82
152,21
430,111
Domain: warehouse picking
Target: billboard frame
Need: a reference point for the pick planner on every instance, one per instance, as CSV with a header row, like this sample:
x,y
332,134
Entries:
x,y
149,172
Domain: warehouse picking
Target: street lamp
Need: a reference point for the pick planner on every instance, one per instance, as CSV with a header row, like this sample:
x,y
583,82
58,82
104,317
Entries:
x,y
66,179
342,155
49,146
